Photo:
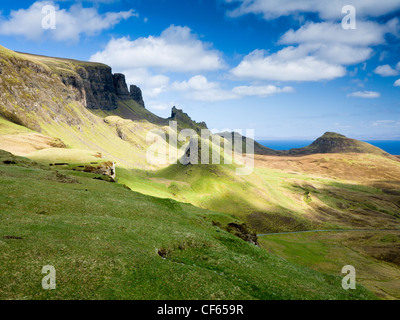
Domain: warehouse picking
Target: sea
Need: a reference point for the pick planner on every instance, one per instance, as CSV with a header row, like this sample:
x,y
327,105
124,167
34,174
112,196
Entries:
x,y
390,146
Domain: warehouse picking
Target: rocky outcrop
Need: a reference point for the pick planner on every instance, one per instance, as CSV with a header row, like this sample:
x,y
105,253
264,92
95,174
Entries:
x,y
136,95
100,88
37,90
120,86
184,121
239,230
105,169
98,85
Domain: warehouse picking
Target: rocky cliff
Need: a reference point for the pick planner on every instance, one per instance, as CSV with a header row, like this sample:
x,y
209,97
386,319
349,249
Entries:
x,y
136,95
37,89
184,121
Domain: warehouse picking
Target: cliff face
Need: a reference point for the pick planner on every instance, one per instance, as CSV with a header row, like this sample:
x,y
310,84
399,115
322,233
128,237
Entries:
x,y
136,95
36,88
45,93
184,121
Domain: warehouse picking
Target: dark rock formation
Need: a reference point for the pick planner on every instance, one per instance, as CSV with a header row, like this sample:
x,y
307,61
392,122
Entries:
x,y
239,230
120,86
105,168
100,88
184,121
98,84
136,94
243,232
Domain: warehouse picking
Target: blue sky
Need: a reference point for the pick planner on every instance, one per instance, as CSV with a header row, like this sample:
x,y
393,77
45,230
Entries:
x,y
285,68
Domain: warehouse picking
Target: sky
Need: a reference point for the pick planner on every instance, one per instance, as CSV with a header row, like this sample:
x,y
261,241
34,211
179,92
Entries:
x,y
288,69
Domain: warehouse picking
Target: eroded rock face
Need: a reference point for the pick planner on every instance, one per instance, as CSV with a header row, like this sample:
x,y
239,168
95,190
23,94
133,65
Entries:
x,y
105,168
120,86
99,87
239,230
243,232
136,94
186,122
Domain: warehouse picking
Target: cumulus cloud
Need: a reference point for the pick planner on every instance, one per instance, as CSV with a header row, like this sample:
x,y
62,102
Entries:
x,y
199,83
316,51
151,84
146,61
261,91
330,42
367,33
199,88
288,64
364,94
387,71
177,49
271,9
156,105
70,23
397,83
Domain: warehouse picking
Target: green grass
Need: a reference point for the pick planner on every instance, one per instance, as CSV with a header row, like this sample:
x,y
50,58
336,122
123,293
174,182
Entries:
x,y
328,252
103,239
7,127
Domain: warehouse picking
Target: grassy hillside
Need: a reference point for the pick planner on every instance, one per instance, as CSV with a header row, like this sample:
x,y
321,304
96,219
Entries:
x,y
332,142
107,242
160,233
286,194
375,255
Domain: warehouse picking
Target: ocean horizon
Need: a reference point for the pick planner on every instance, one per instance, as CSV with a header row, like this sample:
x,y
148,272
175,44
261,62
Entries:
x,y
390,146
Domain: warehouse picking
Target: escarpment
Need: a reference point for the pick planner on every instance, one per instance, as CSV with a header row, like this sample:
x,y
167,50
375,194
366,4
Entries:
x,y
37,89
45,94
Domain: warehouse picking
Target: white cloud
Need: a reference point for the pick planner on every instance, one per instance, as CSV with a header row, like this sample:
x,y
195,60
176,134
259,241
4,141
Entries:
x,y
318,51
288,64
155,105
70,24
261,91
364,94
367,33
177,49
199,83
397,83
386,71
199,88
330,42
213,95
271,9
151,84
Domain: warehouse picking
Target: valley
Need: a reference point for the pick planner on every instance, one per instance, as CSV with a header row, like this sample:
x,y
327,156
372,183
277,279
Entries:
x,y
176,231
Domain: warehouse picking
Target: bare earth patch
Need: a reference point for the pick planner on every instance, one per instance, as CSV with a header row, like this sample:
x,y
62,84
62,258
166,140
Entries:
x,y
26,143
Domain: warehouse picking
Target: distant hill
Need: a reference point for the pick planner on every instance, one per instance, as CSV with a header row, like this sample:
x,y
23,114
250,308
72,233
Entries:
x,y
258,148
332,142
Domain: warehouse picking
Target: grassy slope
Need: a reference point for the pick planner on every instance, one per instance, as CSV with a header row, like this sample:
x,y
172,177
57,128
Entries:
x,y
273,200
375,255
269,200
103,240
332,142
130,109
